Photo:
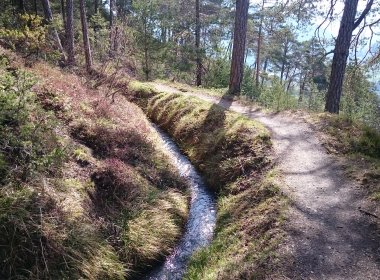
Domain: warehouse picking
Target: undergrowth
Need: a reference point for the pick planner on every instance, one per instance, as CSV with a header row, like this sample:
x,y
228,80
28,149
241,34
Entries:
x,y
359,143
86,191
39,238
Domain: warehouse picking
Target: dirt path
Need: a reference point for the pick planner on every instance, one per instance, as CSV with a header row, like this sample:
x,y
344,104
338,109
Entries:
x,y
329,237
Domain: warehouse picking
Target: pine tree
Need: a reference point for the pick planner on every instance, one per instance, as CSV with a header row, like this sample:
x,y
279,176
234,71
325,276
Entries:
x,y
70,32
86,41
238,52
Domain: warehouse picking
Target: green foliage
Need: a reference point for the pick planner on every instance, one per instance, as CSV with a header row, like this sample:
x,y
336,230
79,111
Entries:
x,y
218,73
27,138
275,97
99,36
315,101
369,143
359,101
25,33
248,86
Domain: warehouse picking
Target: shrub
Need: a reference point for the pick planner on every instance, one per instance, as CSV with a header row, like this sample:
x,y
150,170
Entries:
x,y
275,97
27,137
26,33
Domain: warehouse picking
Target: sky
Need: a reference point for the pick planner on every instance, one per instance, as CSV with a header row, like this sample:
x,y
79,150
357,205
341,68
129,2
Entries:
x,y
332,28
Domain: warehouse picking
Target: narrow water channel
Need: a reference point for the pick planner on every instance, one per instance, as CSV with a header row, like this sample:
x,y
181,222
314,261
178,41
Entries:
x,y
201,222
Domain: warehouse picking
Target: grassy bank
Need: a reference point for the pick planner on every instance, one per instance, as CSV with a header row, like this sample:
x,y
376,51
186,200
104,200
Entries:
x,y
357,145
233,154
86,191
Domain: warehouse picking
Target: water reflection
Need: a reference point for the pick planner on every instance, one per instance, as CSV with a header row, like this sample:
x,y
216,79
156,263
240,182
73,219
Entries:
x,y
201,222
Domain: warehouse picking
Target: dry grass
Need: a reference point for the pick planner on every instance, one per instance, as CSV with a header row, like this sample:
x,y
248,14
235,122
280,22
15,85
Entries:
x,y
358,147
117,206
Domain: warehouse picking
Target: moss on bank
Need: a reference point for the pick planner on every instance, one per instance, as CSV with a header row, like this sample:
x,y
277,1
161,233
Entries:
x,y
233,154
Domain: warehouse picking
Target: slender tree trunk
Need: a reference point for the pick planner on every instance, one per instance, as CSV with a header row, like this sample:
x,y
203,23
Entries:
x,y
49,18
302,88
341,52
264,70
258,63
284,54
198,42
240,34
112,9
35,7
70,32
146,51
63,11
112,31
21,6
96,6
86,41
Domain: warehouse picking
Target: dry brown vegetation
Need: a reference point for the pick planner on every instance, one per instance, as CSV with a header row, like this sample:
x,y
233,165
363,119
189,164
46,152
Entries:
x,y
116,204
358,147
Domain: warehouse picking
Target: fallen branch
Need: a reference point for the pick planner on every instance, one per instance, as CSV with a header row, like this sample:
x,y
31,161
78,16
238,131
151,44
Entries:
x,y
368,213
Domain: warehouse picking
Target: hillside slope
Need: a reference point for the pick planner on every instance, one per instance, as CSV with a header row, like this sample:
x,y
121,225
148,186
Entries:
x,y
86,190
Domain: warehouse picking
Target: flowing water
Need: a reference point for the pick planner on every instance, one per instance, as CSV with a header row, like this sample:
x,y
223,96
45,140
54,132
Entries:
x,y
201,222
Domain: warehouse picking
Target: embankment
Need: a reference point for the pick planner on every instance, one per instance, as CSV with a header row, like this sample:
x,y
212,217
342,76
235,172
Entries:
x,y
233,153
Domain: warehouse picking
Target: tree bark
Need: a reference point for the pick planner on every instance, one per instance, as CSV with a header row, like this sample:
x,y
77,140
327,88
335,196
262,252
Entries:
x,y
303,78
341,52
21,6
49,18
86,40
96,6
63,11
198,42
258,62
284,56
240,34
112,9
35,7
70,32
112,31
146,50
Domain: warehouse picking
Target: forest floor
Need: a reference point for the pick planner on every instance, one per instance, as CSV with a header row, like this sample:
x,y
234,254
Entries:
x,y
332,227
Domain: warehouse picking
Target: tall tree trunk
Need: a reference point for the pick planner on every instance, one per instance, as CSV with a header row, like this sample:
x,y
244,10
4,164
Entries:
x,y
146,51
70,32
341,52
112,9
21,6
240,34
264,70
86,41
112,31
198,42
49,18
96,6
63,11
302,87
284,55
35,7
258,62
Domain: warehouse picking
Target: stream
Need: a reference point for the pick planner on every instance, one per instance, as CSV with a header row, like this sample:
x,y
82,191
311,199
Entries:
x,y
201,222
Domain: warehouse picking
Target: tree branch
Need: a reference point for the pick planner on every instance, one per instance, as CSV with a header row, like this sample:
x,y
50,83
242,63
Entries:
x,y
364,13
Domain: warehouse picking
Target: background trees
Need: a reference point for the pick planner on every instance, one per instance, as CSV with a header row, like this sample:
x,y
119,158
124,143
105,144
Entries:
x,y
192,42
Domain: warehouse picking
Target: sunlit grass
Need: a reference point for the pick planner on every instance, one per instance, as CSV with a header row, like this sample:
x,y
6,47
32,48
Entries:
x,y
233,154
